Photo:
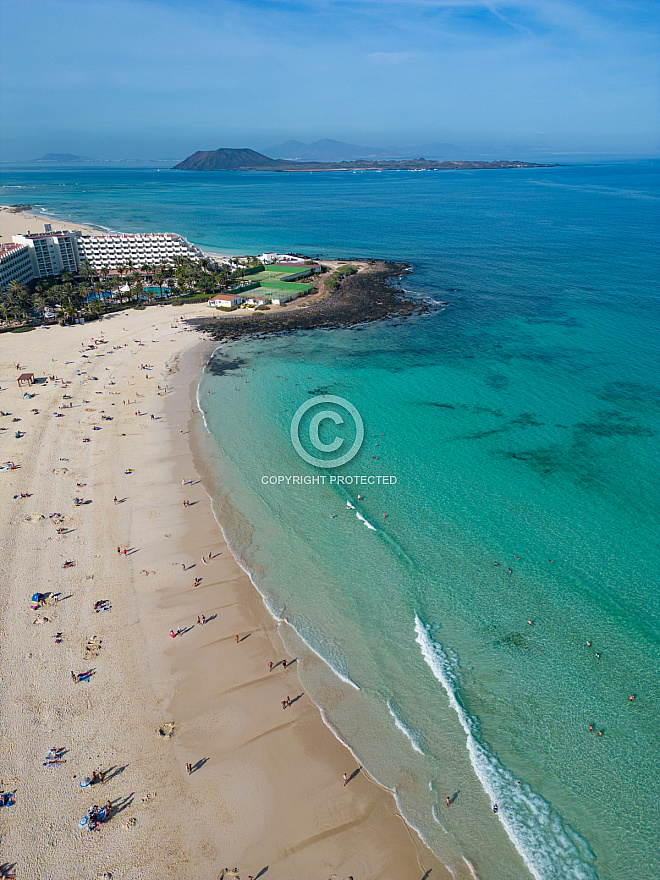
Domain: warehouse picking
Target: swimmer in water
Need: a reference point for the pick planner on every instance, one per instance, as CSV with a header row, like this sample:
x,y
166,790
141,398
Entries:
x,y
631,697
588,644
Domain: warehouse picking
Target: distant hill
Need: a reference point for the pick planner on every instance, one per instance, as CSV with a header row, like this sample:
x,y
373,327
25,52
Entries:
x,y
62,157
248,160
228,160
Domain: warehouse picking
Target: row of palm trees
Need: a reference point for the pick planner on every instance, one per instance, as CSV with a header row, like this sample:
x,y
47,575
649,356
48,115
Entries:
x,y
92,291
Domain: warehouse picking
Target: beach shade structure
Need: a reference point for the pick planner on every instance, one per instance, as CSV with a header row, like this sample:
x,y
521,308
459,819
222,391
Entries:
x,y
26,379
84,783
38,597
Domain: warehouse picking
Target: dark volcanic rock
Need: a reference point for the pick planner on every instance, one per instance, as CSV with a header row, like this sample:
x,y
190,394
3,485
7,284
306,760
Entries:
x,y
367,296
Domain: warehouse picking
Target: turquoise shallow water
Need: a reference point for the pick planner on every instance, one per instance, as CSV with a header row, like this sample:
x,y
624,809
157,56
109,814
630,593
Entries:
x,y
521,423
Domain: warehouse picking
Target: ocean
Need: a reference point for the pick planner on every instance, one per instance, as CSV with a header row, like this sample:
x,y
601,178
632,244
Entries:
x,y
517,428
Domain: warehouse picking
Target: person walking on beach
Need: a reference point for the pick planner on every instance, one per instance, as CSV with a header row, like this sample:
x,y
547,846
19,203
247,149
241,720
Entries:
x,y
270,666
188,769
283,664
447,799
345,778
284,704
237,639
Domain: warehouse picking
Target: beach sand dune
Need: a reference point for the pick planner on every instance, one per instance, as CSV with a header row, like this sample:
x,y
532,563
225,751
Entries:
x,y
265,791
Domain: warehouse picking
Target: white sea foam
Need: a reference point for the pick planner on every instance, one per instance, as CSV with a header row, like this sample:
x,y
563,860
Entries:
x,y
410,734
417,830
549,848
344,676
365,521
471,868
434,813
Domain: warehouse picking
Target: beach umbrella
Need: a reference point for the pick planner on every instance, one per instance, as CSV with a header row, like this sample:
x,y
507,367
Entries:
x,y
85,782
37,597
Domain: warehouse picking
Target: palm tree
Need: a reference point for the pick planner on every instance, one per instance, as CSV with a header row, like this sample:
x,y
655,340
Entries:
x,y
20,299
5,310
86,270
137,285
158,278
205,284
40,303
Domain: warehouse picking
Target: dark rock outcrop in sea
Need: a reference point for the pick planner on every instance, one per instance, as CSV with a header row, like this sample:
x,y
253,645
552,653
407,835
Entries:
x,y
369,295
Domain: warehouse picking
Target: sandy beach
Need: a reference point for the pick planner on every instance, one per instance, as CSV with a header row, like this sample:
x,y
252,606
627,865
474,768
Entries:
x,y
265,795
19,222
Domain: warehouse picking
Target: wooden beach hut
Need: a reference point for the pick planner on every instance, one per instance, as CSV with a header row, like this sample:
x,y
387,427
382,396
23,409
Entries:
x,y
26,379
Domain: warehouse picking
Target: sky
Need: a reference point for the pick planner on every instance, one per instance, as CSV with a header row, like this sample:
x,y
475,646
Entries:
x,y
164,78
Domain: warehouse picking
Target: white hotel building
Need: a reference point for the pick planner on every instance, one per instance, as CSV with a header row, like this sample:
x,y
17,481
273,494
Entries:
x,y
148,248
52,253
15,264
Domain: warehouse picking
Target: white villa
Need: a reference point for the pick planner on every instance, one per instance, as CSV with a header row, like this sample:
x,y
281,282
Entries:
x,y
224,300
272,257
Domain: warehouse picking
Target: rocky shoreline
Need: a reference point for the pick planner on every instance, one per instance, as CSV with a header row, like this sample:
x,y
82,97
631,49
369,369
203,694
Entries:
x,y
367,296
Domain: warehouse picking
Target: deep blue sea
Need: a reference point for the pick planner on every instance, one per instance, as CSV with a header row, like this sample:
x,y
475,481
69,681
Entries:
x,y
521,423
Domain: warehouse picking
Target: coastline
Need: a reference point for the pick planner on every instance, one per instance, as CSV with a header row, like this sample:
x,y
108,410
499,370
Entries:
x,y
271,785
20,222
370,834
